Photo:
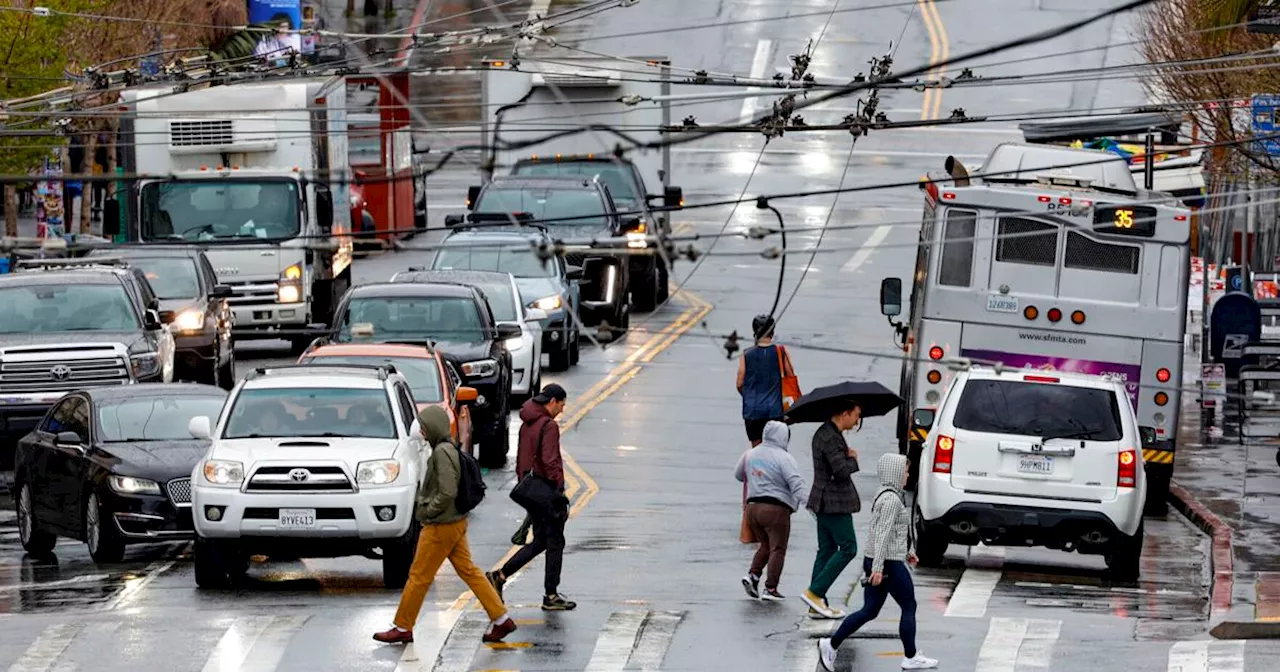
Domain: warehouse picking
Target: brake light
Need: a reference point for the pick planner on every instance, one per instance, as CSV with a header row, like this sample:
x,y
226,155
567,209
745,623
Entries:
x,y
1163,375
935,352
1054,315
1127,475
946,195
1064,201
942,453
1040,379
1043,199
1179,218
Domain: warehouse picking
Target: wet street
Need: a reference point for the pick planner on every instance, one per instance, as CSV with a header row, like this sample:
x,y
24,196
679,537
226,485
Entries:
x,y
653,424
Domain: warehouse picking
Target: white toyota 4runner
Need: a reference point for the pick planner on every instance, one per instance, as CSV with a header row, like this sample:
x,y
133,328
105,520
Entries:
x,y
309,461
1032,458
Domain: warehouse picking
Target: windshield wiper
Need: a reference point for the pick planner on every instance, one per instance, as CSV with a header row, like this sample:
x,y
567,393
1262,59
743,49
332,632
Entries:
x,y
1081,432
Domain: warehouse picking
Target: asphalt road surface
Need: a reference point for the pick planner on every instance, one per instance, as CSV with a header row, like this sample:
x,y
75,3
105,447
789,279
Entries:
x,y
653,424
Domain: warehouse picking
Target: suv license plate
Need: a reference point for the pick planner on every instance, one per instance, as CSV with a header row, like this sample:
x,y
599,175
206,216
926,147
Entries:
x,y
297,518
1029,464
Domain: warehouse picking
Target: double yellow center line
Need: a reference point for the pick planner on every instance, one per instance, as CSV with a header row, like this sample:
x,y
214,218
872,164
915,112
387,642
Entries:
x,y
939,51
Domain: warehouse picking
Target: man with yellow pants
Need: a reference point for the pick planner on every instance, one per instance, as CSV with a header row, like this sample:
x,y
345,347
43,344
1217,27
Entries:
x,y
443,536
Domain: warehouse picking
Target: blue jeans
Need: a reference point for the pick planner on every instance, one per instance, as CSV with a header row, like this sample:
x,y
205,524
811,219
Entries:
x,y
895,582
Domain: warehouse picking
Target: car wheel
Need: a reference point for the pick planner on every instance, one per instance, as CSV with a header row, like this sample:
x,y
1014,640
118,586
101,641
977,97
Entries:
x,y
1157,504
559,359
644,295
493,448
37,542
211,569
575,348
397,557
1125,556
100,533
227,372
664,282
931,541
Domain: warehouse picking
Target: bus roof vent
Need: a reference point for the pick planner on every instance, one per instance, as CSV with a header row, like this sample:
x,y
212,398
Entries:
x,y
581,79
1056,180
1020,162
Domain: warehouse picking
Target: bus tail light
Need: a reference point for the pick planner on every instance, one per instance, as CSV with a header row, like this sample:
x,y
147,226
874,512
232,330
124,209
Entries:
x,y
1161,398
1163,375
935,352
1054,315
1064,201
1077,317
1127,474
934,377
944,449
1031,312
1179,218
1044,199
948,196
1040,379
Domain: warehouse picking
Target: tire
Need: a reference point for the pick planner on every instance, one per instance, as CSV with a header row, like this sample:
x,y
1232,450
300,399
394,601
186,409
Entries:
x,y
559,359
1157,504
1125,556
493,448
211,569
227,372
644,294
575,349
105,543
397,557
931,541
37,542
664,282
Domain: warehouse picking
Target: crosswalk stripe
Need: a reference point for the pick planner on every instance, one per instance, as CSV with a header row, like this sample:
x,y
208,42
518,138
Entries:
x,y
41,655
801,656
655,638
972,593
1226,656
231,650
429,636
268,651
1207,656
1018,644
460,648
616,640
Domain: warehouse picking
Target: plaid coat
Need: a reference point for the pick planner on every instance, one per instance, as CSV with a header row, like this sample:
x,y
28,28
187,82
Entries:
x,y
832,490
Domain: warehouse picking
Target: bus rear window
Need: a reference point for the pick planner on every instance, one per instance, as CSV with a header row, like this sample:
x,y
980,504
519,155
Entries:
x,y
1025,241
1092,255
1038,409
956,266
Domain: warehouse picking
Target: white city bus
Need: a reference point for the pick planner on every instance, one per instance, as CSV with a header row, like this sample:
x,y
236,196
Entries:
x,y
1049,264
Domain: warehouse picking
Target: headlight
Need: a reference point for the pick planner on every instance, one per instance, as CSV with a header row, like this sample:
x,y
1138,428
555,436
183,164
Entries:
x,y
129,485
636,241
189,320
480,368
145,364
377,472
292,273
223,472
514,344
546,303
288,294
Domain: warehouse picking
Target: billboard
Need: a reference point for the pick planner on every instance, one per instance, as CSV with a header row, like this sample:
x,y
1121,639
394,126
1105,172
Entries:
x,y
1130,373
285,15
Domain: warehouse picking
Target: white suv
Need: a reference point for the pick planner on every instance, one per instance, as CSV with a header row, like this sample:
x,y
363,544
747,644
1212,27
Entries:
x,y
309,461
1032,458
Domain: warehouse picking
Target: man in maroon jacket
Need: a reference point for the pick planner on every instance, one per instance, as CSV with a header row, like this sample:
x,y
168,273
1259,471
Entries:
x,y
539,452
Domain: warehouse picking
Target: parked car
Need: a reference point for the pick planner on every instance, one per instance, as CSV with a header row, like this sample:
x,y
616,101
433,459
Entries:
x,y
309,461
1032,458
111,466
504,299
193,304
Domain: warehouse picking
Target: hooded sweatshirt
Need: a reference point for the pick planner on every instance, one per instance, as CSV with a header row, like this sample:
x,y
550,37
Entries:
x,y
890,520
539,447
435,504
770,471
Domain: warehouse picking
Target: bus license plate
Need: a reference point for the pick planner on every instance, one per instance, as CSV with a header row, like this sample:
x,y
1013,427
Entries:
x,y
999,303
297,519
1030,464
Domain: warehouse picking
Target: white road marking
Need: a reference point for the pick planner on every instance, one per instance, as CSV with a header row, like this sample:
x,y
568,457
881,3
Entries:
x,y
972,593
44,652
864,253
1018,644
1226,656
268,651
460,647
134,587
801,656
1189,656
758,64
655,639
429,636
616,640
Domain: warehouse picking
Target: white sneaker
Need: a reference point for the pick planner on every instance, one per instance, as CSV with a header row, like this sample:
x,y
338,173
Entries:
x,y
827,655
919,662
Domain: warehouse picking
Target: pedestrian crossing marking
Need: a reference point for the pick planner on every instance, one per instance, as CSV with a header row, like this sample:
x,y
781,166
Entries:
x,y
617,638
429,636
268,651
49,645
1207,656
1017,644
801,656
254,644
972,593
656,633
460,646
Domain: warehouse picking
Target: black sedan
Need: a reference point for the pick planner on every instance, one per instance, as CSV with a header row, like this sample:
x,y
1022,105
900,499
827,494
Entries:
x,y
112,466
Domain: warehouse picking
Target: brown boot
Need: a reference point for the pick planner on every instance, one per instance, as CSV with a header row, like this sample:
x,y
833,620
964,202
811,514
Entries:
x,y
499,630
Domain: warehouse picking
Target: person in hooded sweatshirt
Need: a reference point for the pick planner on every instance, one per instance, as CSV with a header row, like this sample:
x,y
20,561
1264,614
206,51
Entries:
x,y
775,490
443,535
885,566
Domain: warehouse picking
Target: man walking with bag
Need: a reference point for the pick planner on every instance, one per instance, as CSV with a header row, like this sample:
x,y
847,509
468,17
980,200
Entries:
x,y
833,500
540,490
444,534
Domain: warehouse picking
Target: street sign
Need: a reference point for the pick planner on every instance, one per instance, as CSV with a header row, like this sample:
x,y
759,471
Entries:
x,y
1266,107
1265,18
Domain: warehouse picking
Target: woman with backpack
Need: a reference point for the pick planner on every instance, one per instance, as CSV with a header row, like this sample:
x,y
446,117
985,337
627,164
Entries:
x,y
448,486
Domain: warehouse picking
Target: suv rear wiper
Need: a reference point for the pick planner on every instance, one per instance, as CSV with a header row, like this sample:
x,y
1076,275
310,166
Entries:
x,y
1078,434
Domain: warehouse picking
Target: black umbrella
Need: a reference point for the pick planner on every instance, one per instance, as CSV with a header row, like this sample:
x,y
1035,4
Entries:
x,y
823,402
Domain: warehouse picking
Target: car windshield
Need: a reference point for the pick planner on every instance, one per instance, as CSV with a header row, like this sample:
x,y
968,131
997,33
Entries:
x,y
310,412
423,374
616,175
522,263
219,210
170,278
546,205
501,300
412,319
154,418
1039,410
43,309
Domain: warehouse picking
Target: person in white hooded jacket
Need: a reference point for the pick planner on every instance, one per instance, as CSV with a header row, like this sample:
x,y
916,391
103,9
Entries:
x,y
775,490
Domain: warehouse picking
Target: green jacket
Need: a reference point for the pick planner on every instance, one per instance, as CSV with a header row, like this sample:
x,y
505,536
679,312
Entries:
x,y
435,503
240,45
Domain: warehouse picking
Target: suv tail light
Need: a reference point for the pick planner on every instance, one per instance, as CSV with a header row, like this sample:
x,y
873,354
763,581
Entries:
x,y
943,450
1127,474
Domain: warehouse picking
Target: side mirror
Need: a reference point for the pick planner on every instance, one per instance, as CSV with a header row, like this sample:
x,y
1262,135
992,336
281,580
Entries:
x,y
473,195
922,418
631,223
891,297
199,428
673,197
151,320
509,330
166,316
573,272
451,221
534,314
466,394
221,292
324,209
1148,435
69,440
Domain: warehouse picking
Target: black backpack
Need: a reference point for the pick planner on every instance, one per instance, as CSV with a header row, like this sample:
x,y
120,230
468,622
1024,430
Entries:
x,y
471,485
